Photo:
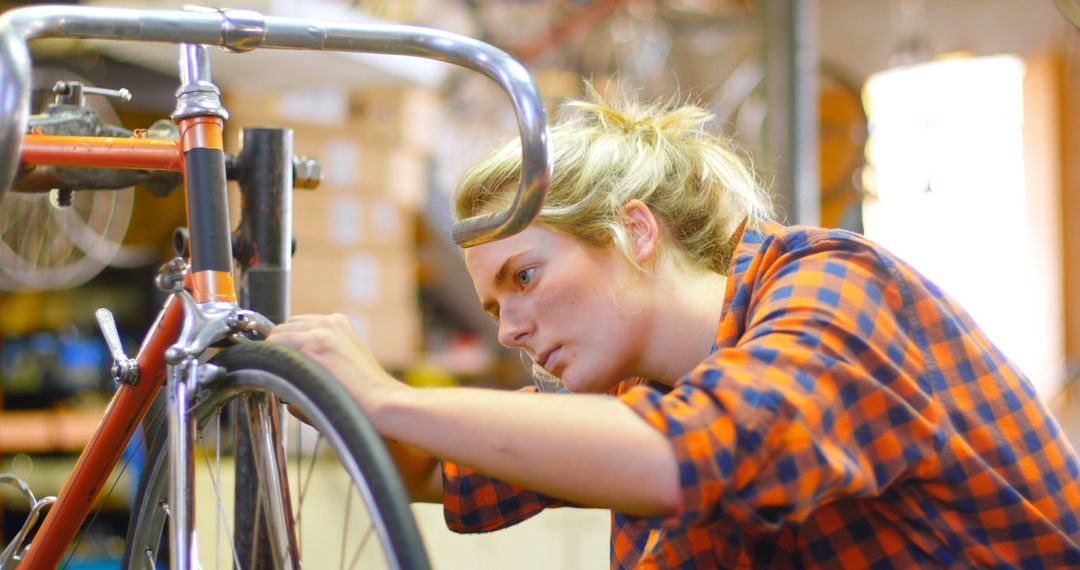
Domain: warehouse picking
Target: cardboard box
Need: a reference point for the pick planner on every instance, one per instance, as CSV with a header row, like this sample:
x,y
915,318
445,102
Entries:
x,y
374,290
360,155
350,165
404,116
349,220
326,279
394,336
395,117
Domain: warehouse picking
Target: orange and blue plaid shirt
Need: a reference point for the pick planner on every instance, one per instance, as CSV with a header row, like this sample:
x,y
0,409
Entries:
x,y
851,415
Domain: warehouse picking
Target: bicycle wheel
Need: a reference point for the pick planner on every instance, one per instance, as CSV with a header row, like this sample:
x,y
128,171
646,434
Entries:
x,y
357,509
46,247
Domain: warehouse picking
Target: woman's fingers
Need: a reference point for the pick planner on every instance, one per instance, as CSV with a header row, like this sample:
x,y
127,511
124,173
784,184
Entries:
x,y
303,323
293,339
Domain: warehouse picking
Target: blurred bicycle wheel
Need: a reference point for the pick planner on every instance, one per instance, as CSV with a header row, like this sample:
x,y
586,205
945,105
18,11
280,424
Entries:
x,y
45,245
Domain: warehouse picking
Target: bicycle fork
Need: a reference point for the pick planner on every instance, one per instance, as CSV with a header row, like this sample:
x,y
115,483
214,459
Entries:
x,y
181,461
204,325
263,423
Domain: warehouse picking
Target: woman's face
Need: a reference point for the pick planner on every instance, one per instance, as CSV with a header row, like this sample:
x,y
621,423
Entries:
x,y
571,306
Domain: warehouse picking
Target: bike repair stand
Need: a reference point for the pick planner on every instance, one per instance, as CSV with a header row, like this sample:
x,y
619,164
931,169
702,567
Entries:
x,y
263,246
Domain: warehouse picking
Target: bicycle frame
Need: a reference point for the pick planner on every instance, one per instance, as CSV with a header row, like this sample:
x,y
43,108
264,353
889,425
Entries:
x,y
199,156
123,416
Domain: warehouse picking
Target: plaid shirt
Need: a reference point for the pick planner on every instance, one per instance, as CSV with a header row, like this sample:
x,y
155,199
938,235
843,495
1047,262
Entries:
x,y
851,415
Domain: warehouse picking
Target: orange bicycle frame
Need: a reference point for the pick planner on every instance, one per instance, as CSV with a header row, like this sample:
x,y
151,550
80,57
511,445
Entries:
x,y
131,401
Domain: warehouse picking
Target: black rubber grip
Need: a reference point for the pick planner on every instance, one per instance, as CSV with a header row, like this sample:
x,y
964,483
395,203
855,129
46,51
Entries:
x,y
208,210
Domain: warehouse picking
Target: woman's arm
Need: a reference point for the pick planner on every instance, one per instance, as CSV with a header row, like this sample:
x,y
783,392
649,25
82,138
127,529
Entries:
x,y
591,450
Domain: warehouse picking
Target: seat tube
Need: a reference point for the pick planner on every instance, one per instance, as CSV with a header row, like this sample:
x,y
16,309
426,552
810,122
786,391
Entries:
x,y
200,117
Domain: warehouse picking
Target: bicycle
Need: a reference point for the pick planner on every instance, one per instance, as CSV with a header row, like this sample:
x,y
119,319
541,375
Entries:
x,y
204,348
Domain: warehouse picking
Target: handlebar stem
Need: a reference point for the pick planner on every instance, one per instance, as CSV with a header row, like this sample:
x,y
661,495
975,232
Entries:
x,y
197,95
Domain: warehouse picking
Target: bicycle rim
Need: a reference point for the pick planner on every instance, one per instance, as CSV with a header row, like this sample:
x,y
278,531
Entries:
x,y
348,507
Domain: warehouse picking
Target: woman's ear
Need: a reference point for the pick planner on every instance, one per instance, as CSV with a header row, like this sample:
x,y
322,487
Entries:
x,y
644,230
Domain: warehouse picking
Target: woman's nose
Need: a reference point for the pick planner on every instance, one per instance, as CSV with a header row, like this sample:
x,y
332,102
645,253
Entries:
x,y
513,328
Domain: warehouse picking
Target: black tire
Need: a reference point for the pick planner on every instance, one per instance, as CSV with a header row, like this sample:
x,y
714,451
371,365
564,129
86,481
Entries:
x,y
259,367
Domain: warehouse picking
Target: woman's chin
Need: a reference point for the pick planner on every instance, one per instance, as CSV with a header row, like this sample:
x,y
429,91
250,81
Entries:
x,y
571,383
580,385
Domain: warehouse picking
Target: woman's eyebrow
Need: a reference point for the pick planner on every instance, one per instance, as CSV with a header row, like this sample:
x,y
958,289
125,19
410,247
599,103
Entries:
x,y
492,306
504,269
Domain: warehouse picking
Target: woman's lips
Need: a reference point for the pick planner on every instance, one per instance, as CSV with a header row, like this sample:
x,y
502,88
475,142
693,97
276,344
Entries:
x,y
546,359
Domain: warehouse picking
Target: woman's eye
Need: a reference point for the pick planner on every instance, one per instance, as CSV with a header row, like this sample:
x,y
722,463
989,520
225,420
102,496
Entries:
x,y
525,276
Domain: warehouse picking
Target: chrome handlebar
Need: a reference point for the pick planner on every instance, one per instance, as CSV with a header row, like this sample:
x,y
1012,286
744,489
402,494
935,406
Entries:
x,y
246,30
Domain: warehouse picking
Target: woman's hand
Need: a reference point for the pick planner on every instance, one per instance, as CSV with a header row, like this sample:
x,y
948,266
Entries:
x,y
332,342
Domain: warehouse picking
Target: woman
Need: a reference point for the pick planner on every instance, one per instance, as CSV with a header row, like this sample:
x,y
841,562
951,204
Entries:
x,y
784,396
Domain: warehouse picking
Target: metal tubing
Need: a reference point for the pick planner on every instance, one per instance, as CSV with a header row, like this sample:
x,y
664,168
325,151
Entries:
x,y
264,236
207,207
197,95
181,466
791,98
275,452
194,64
269,461
107,152
264,173
246,30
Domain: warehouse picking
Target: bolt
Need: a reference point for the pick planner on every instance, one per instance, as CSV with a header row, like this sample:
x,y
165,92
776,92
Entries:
x,y
61,197
174,354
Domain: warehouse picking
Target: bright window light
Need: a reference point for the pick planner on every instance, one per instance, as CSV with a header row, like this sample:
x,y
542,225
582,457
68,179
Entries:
x,y
946,156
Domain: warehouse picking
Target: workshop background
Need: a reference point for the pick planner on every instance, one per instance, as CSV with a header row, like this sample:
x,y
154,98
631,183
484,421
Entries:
x,y
946,130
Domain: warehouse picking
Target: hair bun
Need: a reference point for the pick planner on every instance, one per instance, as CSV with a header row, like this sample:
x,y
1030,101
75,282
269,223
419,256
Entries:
x,y
664,120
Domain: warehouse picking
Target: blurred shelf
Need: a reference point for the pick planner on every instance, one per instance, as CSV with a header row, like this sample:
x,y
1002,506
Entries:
x,y
52,430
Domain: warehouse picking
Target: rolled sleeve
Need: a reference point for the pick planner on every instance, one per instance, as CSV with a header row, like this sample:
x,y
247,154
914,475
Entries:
x,y
473,502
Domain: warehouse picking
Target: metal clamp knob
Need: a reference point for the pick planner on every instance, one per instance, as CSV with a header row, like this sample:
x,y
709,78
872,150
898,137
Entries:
x,y
74,93
124,370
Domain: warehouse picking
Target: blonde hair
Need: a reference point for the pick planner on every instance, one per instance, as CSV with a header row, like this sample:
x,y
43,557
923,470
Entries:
x,y
608,154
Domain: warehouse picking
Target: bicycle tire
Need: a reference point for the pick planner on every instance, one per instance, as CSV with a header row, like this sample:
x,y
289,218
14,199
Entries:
x,y
259,367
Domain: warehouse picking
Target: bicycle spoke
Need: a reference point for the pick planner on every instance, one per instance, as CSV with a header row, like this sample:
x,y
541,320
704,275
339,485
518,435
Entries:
x,y
217,458
311,469
256,526
299,464
345,524
360,548
361,543
269,498
99,238
222,516
60,246
5,219
41,243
